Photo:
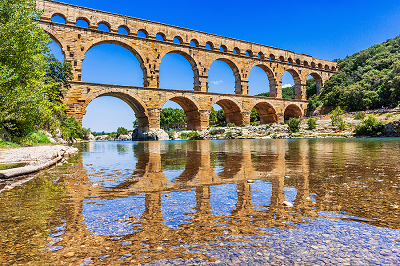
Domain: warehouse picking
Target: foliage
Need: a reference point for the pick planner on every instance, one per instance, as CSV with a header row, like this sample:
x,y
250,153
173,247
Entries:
x,y
366,80
242,125
230,125
229,134
264,94
369,127
135,123
294,125
122,131
337,119
172,117
6,144
171,134
33,138
254,115
312,123
213,116
240,133
190,135
288,92
359,116
221,118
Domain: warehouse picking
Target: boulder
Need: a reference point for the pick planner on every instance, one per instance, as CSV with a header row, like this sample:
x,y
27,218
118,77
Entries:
x,y
152,134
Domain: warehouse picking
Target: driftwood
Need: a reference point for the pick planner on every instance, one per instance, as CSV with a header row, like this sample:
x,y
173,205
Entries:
x,y
37,159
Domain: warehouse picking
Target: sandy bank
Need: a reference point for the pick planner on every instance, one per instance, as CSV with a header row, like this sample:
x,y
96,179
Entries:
x,y
36,158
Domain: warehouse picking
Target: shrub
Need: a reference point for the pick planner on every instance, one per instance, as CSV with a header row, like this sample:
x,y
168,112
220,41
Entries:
x,y
294,125
369,127
240,133
389,115
312,123
229,134
231,125
190,135
337,120
33,138
184,135
6,144
171,134
360,116
242,125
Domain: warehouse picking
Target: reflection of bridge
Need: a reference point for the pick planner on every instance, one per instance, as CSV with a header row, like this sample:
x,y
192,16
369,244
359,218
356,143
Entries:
x,y
199,48
154,240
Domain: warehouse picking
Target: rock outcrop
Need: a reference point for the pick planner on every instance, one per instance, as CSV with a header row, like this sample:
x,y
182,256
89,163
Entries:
x,y
152,134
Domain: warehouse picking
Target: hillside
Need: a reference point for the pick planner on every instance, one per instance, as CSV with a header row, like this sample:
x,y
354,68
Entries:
x,y
366,80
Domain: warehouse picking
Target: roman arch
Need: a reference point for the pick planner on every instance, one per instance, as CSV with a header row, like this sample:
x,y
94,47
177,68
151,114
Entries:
x,y
199,48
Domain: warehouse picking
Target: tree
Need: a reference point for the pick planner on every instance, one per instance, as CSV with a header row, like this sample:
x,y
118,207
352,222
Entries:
x,y
122,131
172,117
213,116
254,115
221,117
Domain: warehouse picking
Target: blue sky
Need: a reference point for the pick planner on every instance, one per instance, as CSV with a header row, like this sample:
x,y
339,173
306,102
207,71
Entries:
x,y
323,29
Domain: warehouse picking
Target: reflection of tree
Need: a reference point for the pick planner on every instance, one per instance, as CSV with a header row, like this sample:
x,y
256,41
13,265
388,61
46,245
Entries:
x,y
122,149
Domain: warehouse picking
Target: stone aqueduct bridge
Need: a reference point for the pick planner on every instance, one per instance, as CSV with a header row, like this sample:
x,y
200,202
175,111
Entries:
x,y
199,48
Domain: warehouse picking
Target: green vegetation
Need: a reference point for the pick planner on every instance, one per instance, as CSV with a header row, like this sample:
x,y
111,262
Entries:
x,y
312,123
11,165
240,133
190,135
231,125
369,79
337,119
369,127
171,134
294,125
32,81
6,144
33,138
172,117
264,94
359,116
122,131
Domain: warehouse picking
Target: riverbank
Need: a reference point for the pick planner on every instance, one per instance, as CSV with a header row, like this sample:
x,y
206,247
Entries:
x,y
22,161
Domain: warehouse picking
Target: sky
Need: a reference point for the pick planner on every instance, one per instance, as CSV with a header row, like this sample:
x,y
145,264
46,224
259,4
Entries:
x,y
324,29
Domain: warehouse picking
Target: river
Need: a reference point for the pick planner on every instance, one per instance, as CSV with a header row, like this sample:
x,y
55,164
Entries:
x,y
210,202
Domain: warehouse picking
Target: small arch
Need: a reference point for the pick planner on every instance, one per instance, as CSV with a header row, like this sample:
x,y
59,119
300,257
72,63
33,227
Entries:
x,y
292,111
160,36
271,57
236,73
209,45
318,82
305,63
223,49
333,68
236,51
104,26
313,65
178,40
297,84
320,66
142,33
298,63
290,61
281,59
261,55
82,22
266,112
194,43
191,111
58,18
249,53
123,30
326,67
232,111
270,76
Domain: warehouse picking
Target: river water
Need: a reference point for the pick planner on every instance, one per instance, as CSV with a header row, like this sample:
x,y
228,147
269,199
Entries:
x,y
210,202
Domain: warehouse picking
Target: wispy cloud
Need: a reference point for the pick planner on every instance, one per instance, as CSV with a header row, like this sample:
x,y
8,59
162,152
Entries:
x,y
216,82
287,86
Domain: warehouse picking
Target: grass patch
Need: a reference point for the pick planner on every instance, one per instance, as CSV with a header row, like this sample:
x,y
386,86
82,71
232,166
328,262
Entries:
x,y
6,144
11,165
33,138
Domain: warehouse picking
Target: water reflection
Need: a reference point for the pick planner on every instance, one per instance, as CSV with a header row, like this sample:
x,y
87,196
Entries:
x,y
142,202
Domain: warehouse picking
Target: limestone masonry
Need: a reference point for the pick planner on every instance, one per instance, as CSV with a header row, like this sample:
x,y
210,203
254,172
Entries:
x,y
199,48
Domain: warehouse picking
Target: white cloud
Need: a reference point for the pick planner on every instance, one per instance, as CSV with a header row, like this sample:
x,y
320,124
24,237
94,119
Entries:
x,y
287,86
216,82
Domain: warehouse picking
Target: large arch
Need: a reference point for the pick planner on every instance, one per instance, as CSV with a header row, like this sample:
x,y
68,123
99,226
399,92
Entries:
x,y
292,110
236,73
126,46
232,111
192,62
270,75
318,81
297,83
191,110
138,106
266,112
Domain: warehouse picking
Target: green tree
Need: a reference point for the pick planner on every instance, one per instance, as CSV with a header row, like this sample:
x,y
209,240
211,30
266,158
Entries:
x,y
172,117
213,116
221,117
122,131
254,115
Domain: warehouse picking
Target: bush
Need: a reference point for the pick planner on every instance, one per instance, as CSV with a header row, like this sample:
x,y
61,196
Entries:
x,y
337,120
171,134
6,144
231,125
294,125
242,125
193,135
229,134
240,133
312,123
33,138
360,116
369,127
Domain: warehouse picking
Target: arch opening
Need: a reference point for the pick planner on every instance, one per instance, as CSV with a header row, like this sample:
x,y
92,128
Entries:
x,y
261,81
236,51
220,77
160,36
178,40
209,46
231,110
194,43
223,49
178,70
266,113
190,118
123,30
271,57
261,55
142,33
249,53
298,63
58,18
122,111
314,84
103,26
113,62
292,111
82,22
